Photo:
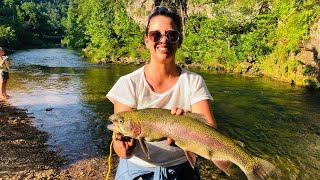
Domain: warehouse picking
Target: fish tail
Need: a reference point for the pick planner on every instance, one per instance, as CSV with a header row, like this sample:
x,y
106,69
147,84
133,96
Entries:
x,y
261,170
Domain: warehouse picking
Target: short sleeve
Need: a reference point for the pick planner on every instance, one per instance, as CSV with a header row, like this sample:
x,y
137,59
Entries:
x,y
123,91
199,90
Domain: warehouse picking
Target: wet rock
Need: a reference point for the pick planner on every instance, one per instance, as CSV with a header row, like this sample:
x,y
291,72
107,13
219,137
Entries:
x,y
246,65
103,61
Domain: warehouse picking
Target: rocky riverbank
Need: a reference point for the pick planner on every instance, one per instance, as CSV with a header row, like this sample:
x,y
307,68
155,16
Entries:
x,y
24,153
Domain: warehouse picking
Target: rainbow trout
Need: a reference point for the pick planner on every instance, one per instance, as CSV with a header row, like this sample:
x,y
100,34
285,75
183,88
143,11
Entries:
x,y
191,133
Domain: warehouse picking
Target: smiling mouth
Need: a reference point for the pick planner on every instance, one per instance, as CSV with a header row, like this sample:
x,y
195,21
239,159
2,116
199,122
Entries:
x,y
163,49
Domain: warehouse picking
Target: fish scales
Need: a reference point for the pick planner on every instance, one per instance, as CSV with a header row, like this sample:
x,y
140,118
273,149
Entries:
x,y
178,129
190,133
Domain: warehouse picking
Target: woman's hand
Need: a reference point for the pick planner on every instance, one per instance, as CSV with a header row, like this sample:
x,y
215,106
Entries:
x,y
9,61
123,146
175,111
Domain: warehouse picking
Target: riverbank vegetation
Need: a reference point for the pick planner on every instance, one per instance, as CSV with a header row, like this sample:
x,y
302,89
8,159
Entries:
x,y
250,37
278,39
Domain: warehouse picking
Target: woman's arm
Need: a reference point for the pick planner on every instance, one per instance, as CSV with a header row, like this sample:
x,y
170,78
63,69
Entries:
x,y
203,107
1,60
123,146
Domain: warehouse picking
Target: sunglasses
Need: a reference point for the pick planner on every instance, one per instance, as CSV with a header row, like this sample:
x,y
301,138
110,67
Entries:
x,y
156,36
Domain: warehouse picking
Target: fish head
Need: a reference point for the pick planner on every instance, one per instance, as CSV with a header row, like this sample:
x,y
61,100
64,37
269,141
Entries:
x,y
124,125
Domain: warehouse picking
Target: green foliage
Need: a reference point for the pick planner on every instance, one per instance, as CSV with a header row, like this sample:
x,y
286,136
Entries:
x,y
7,35
294,23
74,28
106,27
306,70
226,32
219,38
291,66
30,21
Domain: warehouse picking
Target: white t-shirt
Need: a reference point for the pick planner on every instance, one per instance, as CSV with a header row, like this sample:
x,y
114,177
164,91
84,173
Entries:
x,y
5,67
133,90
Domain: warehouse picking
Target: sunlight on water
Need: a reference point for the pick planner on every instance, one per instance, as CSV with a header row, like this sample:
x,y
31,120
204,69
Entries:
x,y
273,120
43,100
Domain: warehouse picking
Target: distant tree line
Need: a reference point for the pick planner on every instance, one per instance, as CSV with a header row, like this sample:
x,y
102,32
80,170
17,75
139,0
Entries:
x,y
27,23
222,33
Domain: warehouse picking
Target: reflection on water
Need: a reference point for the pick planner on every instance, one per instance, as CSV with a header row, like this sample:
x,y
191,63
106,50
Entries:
x,y
52,90
275,121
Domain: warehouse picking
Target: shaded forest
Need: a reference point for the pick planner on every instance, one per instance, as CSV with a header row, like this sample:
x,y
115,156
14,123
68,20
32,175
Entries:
x,y
35,23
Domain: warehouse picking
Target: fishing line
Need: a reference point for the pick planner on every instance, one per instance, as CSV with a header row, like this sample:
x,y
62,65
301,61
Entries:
x,y
110,154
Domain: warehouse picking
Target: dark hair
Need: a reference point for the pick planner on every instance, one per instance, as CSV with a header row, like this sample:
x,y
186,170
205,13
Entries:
x,y
170,12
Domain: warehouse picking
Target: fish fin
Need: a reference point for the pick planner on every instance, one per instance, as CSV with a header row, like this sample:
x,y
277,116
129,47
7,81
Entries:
x,y
223,165
144,147
192,158
262,170
197,116
241,144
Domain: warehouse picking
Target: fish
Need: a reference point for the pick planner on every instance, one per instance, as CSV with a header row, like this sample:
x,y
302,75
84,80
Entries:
x,y
191,133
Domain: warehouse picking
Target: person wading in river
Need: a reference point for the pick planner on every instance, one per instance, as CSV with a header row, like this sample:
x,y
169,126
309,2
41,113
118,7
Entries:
x,y
159,84
5,63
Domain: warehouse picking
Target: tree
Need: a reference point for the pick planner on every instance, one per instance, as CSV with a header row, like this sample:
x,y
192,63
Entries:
x,y
74,27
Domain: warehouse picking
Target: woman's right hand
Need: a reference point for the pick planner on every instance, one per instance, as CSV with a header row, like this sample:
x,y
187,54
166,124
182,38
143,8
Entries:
x,y
123,146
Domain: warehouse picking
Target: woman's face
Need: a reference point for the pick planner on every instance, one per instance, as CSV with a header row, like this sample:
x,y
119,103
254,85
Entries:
x,y
163,51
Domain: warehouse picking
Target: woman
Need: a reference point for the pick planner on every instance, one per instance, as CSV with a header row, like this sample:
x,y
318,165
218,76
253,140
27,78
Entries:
x,y
5,63
159,84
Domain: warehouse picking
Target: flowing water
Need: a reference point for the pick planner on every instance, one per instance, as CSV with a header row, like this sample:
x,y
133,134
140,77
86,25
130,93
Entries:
x,y
66,95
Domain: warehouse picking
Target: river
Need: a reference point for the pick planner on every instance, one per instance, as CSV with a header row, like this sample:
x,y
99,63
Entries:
x,y
66,95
